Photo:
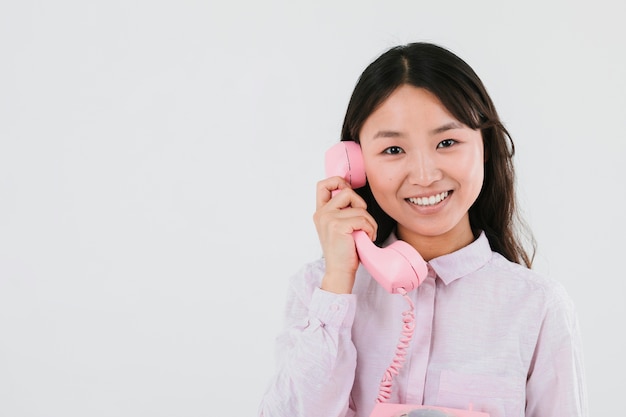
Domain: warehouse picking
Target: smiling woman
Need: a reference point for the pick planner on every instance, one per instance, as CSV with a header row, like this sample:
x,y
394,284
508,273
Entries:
x,y
484,332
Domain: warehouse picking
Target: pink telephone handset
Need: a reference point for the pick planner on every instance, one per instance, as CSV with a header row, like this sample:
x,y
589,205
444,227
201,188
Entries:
x,y
396,266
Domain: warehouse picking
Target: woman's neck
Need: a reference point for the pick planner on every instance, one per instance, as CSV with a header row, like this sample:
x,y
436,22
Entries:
x,y
431,247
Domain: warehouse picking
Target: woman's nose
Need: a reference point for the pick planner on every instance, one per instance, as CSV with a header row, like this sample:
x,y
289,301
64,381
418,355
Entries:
x,y
423,169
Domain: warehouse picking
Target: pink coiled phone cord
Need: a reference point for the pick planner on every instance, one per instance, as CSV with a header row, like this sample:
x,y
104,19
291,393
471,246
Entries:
x,y
408,318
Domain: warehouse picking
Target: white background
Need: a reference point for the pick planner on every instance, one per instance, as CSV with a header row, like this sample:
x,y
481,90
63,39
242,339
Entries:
x,y
158,162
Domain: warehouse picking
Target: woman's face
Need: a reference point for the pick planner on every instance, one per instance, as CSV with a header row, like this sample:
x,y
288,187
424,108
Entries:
x,y
425,168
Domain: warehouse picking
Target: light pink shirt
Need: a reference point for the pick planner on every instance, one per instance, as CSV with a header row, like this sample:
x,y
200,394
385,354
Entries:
x,y
488,333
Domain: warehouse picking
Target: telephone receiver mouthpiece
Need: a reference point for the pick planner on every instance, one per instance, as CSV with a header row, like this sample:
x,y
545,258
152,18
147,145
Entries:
x,y
395,266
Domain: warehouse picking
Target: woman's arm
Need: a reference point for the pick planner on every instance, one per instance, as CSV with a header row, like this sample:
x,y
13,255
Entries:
x,y
556,383
315,356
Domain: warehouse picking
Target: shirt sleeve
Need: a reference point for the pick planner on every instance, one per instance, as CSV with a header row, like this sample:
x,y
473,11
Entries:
x,y
315,356
556,383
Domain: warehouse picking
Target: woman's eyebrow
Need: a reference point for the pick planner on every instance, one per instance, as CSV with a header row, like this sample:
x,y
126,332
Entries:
x,y
387,134
446,127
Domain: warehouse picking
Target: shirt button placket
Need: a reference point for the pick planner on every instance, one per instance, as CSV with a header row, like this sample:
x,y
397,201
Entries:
x,y
422,339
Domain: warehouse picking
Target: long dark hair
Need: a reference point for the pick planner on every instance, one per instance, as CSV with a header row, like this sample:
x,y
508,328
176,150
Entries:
x,y
461,91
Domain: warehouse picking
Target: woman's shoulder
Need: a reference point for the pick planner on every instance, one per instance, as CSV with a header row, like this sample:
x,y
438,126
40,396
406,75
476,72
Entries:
x,y
527,280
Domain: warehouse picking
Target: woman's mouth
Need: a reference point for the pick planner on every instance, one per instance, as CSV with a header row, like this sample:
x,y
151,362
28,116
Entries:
x,y
429,201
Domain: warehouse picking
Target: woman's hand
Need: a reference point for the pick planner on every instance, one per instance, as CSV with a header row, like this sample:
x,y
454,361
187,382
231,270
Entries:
x,y
339,212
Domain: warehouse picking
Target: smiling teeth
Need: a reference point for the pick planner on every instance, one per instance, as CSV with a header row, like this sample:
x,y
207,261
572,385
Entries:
x,y
429,201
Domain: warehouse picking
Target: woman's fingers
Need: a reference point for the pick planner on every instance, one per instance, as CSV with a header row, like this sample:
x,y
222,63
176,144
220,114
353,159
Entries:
x,y
331,187
341,210
328,187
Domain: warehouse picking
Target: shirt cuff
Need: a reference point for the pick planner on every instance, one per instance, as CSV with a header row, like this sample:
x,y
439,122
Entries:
x,y
333,309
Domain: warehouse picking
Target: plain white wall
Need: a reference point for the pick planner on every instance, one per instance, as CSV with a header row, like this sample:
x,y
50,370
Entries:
x,y
158,162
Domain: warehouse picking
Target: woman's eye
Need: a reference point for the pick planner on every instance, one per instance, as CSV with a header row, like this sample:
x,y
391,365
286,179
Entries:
x,y
393,150
446,143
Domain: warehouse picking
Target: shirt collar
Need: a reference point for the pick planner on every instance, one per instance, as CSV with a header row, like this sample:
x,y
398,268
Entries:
x,y
460,263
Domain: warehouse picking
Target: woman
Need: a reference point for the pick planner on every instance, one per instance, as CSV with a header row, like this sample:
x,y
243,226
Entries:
x,y
489,333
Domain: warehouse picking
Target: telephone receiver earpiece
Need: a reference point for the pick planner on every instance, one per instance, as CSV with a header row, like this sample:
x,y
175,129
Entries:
x,y
396,266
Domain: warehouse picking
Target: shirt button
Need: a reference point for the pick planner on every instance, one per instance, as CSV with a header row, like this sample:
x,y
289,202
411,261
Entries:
x,y
334,307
